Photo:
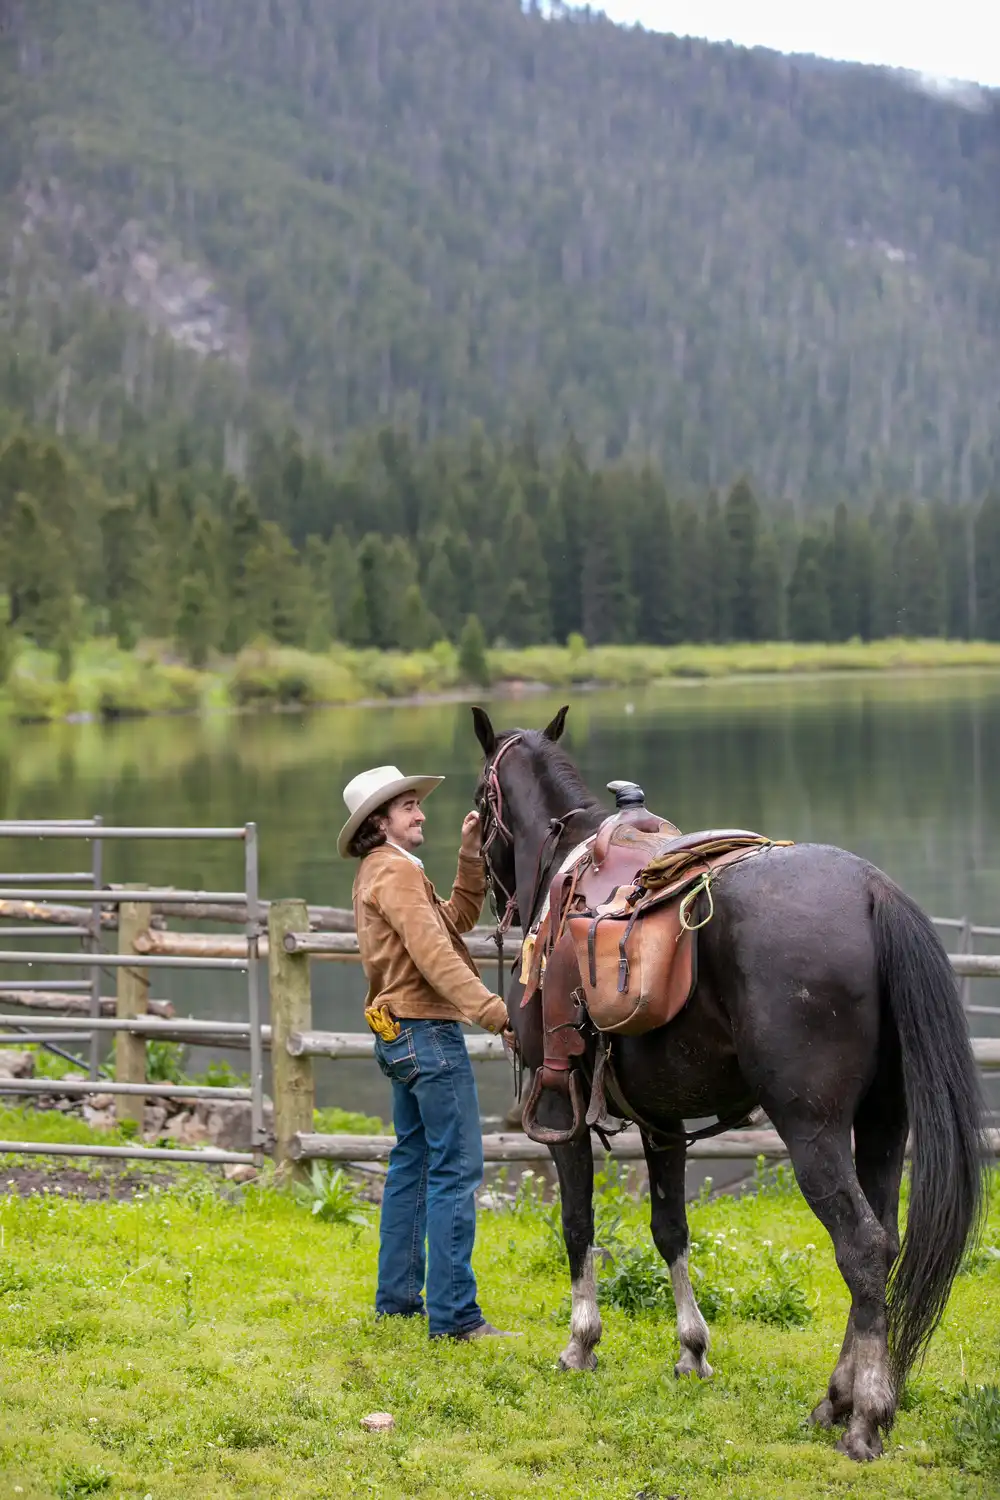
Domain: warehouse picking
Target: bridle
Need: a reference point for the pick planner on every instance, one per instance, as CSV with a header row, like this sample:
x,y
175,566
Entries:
x,y
493,800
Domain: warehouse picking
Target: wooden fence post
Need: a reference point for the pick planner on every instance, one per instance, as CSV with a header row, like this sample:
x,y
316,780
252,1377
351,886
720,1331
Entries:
x,y
133,1000
291,1010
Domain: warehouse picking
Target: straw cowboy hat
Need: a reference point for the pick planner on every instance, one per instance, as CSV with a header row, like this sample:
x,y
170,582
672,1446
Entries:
x,y
373,789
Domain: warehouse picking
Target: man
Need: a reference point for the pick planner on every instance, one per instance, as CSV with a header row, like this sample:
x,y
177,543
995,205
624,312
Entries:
x,y
421,985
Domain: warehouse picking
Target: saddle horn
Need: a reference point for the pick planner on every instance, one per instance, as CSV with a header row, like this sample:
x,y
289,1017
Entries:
x,y
627,794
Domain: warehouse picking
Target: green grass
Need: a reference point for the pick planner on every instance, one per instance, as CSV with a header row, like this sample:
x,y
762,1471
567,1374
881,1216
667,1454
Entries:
x,y
184,1344
109,683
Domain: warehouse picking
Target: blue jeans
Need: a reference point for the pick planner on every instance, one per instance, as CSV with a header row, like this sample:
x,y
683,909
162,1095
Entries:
x,y
434,1170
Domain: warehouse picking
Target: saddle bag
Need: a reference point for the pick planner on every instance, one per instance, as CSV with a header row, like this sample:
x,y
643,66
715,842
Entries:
x,y
637,964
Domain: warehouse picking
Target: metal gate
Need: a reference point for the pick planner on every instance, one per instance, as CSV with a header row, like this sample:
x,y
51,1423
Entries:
x,y
74,885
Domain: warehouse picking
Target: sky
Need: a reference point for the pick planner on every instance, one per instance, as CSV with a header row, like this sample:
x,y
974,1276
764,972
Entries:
x,y
959,39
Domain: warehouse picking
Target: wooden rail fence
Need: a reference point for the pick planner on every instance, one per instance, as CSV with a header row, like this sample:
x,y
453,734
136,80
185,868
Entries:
x,y
296,935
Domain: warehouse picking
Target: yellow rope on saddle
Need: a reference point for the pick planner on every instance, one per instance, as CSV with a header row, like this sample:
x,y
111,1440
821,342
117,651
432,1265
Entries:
x,y
670,868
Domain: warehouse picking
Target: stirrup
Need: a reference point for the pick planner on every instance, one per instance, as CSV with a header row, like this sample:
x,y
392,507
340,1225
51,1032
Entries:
x,y
550,1135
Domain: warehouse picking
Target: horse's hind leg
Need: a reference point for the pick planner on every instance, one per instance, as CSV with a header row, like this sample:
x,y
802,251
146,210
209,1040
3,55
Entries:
x,y
879,1151
822,1160
668,1221
575,1166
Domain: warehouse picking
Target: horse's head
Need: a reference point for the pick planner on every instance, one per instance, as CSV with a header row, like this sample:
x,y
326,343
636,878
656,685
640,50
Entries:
x,y
525,784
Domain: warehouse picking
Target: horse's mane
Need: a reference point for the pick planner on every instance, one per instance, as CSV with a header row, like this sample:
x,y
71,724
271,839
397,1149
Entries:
x,y
558,780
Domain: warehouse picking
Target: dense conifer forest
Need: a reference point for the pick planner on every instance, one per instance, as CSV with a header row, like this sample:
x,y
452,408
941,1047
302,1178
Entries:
x,y
346,322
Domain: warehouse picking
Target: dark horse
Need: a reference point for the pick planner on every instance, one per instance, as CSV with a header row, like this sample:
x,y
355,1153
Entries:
x,y
825,997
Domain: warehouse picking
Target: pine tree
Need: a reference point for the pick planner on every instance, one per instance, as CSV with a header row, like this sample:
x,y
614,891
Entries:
x,y
987,540
808,593
865,569
39,572
441,589
768,587
843,578
472,660
488,583
417,627
199,624
379,587
564,539
196,624
921,573
527,618
344,579
951,525
693,565
741,521
318,631
121,554
717,579
608,603
241,535
654,581
275,588
564,588
885,589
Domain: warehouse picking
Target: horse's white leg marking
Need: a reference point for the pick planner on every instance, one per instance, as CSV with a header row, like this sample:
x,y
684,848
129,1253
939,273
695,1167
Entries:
x,y
874,1396
692,1330
585,1321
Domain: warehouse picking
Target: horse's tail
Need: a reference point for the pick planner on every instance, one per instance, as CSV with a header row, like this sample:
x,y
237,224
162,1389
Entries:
x,y
944,1107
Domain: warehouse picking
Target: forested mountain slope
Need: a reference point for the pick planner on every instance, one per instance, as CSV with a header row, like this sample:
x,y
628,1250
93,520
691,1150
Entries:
x,y
423,212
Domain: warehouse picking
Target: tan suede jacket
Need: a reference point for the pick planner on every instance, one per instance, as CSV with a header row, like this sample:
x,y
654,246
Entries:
x,y
411,949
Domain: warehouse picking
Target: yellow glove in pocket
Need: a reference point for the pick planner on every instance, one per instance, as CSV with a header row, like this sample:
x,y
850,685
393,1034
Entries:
x,y
381,1020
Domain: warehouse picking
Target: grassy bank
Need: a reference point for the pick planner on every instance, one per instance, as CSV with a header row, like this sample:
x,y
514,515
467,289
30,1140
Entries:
x,y
186,1343
105,682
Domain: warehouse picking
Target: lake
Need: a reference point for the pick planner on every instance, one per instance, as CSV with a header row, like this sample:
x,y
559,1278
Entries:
x,y
899,769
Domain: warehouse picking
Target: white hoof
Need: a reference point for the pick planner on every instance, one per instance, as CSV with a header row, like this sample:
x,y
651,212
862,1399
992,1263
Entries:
x,y
574,1357
693,1364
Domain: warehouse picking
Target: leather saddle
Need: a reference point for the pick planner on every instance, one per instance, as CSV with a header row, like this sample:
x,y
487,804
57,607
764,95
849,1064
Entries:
x,y
616,950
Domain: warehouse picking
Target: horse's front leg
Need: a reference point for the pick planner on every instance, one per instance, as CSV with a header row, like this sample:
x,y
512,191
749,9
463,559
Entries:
x,y
668,1221
575,1166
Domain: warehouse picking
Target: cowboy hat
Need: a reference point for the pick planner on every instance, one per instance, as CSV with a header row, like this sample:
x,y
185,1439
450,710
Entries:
x,y
373,789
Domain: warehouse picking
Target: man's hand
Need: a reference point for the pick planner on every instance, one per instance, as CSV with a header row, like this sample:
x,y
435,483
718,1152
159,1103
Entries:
x,y
472,834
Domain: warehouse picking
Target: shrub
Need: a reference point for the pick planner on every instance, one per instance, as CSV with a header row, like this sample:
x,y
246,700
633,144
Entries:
x,y
777,1297
219,1075
335,1121
774,1181
286,678
977,1429
77,1480
165,1062
637,1282
330,1195
35,701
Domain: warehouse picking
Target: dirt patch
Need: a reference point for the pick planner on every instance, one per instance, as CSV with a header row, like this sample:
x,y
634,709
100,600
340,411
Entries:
x,y
98,1185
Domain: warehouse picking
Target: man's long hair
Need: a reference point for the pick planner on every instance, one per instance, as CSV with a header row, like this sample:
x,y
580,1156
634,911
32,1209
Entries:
x,y
370,834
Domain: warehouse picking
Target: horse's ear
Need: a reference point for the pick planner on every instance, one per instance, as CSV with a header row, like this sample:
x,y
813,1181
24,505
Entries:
x,y
485,733
554,730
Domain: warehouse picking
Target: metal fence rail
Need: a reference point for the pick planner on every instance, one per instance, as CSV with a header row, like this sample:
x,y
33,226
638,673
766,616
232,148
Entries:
x,y
26,890
203,1156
